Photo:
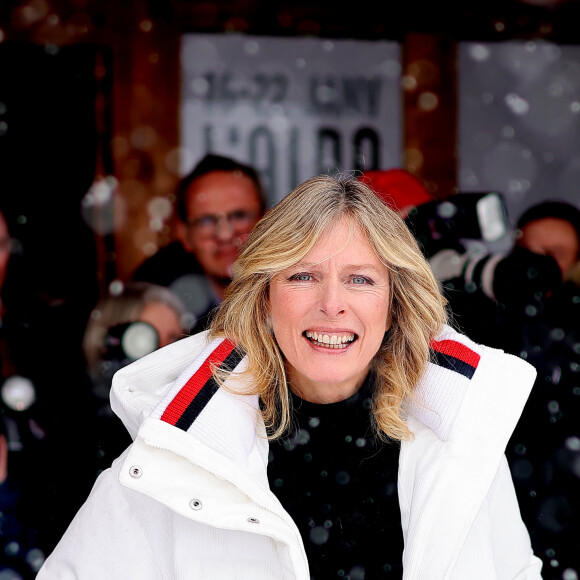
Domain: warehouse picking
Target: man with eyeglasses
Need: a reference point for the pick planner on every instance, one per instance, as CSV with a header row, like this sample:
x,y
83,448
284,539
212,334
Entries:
x,y
217,204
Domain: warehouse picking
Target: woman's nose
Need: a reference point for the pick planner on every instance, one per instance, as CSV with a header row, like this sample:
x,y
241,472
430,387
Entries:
x,y
332,299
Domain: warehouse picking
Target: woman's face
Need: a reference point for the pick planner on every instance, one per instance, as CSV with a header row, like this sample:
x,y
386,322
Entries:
x,y
329,315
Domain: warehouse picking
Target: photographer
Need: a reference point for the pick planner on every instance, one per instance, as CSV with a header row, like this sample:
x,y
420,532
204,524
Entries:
x,y
125,325
489,275
518,291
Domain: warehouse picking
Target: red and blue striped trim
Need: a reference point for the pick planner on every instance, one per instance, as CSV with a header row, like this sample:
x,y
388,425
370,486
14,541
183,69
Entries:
x,y
455,356
192,398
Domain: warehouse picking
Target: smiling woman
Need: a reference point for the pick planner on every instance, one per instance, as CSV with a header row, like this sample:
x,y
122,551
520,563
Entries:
x,y
329,424
329,315
332,258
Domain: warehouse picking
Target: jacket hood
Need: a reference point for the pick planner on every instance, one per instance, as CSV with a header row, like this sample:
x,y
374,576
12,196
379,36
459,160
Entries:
x,y
164,394
137,388
464,374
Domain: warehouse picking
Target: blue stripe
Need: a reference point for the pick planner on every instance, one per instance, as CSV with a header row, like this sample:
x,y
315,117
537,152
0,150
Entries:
x,y
207,392
453,364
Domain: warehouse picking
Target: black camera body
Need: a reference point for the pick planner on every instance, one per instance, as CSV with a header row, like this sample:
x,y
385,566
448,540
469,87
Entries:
x,y
452,223
123,344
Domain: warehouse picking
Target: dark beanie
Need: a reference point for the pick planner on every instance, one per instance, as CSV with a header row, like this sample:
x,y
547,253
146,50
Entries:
x,y
552,209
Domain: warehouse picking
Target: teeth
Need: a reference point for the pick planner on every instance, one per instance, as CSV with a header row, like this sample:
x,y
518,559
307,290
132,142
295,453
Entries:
x,y
334,341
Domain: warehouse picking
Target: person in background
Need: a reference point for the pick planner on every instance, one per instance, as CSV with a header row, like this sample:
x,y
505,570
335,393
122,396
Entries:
x,y
124,326
217,203
552,228
526,301
21,554
21,444
25,434
536,282
487,289
330,424
544,450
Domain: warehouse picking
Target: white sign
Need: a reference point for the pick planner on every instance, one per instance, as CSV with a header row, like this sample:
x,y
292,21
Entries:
x,y
291,107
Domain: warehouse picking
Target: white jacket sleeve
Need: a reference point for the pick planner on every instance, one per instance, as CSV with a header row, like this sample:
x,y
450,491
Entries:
x,y
104,540
509,551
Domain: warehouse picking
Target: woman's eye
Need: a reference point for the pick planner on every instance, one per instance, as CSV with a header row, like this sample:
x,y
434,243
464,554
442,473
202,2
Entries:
x,y
360,280
301,277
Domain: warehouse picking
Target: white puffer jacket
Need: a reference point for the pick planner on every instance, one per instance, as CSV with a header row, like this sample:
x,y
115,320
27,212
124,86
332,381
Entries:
x,y
190,498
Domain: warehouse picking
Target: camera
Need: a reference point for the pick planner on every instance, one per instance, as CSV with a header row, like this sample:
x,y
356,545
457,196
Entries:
x,y
123,344
462,222
129,341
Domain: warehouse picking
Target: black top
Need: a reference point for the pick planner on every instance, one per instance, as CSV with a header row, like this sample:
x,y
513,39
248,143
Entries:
x,y
338,481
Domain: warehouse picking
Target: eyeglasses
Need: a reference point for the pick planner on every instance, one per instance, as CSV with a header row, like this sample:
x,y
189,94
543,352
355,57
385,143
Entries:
x,y
207,225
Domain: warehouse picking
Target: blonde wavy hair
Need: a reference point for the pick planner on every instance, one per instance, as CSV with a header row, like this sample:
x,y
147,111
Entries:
x,y
280,240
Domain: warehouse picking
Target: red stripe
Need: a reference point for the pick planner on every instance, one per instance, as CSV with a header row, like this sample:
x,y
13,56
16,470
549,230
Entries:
x,y
456,350
196,382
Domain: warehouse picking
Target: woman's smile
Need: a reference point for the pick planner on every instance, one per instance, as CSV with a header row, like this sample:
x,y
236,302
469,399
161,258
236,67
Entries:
x,y
329,339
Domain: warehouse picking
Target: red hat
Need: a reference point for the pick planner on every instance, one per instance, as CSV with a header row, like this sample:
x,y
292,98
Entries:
x,y
397,187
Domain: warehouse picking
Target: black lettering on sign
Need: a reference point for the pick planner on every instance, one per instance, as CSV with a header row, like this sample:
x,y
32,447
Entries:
x,y
271,89
228,89
348,95
280,155
366,149
261,82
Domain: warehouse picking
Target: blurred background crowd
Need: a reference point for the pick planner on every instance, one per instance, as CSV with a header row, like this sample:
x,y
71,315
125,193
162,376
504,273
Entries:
x,y
130,176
